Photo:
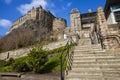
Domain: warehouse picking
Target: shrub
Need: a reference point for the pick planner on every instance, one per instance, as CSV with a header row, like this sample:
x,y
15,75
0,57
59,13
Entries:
x,y
36,59
10,61
2,63
21,67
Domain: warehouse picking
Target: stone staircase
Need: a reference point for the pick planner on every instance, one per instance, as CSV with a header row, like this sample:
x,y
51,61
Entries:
x,y
90,62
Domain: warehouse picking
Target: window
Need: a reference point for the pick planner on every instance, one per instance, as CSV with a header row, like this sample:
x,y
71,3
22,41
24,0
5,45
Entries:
x,y
117,16
115,7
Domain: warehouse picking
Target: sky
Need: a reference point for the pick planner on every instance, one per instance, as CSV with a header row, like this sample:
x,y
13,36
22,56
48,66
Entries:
x,y
11,10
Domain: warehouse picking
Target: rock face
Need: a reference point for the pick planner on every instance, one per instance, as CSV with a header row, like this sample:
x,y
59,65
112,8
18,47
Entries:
x,y
40,16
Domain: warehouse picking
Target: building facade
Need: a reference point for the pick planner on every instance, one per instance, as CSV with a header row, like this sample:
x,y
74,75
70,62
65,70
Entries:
x,y
112,11
102,26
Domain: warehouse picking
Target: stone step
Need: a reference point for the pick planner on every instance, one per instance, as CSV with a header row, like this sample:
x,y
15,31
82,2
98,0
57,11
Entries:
x,y
95,68
95,57
97,60
85,60
86,55
95,53
110,70
84,47
87,73
98,63
78,49
90,62
94,65
93,73
74,77
88,47
87,50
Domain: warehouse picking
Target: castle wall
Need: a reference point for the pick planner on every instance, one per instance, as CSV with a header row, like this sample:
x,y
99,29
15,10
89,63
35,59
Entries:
x,y
59,23
30,15
45,19
42,17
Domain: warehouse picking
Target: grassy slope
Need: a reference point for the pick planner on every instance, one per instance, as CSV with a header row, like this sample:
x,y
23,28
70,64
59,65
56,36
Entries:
x,y
52,65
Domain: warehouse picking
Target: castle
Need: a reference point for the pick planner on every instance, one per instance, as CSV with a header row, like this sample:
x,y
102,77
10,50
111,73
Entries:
x,y
44,17
102,26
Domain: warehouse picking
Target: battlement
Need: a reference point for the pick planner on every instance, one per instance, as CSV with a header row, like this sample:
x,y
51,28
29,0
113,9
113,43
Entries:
x,y
59,23
60,19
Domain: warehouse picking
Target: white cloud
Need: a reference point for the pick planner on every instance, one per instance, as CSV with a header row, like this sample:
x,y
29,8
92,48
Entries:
x,y
8,1
34,3
5,23
69,4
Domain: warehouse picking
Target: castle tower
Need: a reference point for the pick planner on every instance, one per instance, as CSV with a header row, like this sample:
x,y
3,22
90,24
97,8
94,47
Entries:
x,y
59,23
75,21
101,22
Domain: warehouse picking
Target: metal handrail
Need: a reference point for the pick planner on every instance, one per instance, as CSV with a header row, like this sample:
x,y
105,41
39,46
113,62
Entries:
x,y
101,38
70,40
70,60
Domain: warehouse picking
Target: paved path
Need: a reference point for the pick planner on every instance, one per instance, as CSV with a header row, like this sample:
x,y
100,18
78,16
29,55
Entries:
x,y
49,76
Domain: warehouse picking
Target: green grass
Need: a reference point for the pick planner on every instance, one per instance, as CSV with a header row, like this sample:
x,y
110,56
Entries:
x,y
21,59
52,65
6,69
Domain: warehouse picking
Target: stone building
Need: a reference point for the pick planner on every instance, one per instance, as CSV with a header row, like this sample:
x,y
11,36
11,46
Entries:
x,y
102,26
75,21
43,18
59,23
112,11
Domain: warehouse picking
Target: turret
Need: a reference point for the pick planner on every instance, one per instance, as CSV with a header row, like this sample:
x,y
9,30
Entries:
x,y
75,21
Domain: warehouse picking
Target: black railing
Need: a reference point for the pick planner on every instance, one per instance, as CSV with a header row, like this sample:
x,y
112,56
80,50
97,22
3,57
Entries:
x,y
102,38
62,59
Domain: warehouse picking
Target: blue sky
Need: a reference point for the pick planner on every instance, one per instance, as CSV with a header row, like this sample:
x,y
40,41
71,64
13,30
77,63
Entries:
x,y
11,10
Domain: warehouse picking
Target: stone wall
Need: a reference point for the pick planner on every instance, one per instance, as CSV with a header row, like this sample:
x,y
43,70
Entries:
x,y
45,18
30,15
15,53
59,23
102,26
24,51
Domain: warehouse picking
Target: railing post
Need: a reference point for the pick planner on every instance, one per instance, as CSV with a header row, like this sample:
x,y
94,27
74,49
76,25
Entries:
x,y
61,75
